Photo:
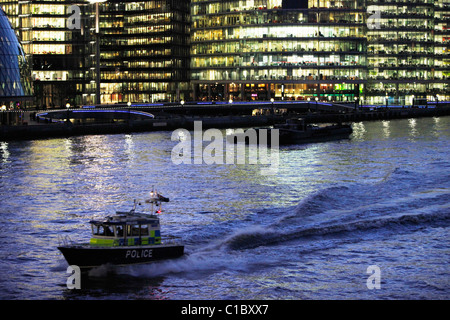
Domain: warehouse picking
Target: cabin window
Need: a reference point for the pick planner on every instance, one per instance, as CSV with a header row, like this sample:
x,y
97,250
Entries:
x,y
102,230
133,230
119,230
144,230
137,230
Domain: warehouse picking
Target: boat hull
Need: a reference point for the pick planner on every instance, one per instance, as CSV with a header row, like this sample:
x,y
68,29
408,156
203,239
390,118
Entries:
x,y
85,256
315,135
292,136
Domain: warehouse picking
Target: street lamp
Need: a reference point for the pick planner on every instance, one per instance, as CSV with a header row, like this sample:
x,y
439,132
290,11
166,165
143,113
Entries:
x,y
68,112
97,44
182,102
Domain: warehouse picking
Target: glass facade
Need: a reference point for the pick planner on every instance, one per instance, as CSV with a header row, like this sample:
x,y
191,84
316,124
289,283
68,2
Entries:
x,y
376,52
441,86
407,52
144,50
290,50
15,80
56,53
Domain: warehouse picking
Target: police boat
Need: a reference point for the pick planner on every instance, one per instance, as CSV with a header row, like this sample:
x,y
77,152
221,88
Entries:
x,y
123,239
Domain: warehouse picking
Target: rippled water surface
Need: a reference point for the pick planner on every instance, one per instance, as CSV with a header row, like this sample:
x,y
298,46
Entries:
x,y
308,232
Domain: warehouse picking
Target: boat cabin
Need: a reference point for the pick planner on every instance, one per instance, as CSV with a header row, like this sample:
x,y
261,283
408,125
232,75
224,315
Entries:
x,y
293,124
124,229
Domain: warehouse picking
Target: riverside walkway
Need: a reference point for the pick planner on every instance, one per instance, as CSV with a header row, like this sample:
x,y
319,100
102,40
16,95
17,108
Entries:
x,y
146,117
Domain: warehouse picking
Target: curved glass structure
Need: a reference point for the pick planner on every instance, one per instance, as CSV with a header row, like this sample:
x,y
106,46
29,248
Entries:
x,y
15,80
281,49
144,50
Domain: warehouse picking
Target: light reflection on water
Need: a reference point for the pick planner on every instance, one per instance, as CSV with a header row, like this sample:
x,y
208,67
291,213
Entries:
x,y
386,130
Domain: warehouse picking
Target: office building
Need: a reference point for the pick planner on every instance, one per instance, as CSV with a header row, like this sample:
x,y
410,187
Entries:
x,y
290,50
144,50
407,51
56,53
373,52
441,87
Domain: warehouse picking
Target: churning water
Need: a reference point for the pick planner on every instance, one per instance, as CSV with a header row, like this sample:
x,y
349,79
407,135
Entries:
x,y
308,232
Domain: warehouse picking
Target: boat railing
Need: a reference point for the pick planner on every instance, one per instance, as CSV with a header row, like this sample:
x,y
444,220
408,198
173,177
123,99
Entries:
x,y
64,240
137,214
170,239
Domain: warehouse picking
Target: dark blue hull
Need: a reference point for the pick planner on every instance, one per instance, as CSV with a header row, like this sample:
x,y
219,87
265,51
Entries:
x,y
324,134
85,256
288,136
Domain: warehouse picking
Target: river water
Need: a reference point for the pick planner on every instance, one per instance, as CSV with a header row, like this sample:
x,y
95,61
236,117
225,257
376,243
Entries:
x,y
380,199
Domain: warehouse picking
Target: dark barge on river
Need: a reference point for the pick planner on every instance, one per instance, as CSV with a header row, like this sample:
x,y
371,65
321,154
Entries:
x,y
293,131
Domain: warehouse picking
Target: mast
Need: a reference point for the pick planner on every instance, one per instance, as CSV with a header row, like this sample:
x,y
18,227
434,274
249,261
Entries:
x,y
156,199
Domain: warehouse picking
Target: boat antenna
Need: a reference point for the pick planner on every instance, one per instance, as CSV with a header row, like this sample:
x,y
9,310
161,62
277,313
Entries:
x,y
134,206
